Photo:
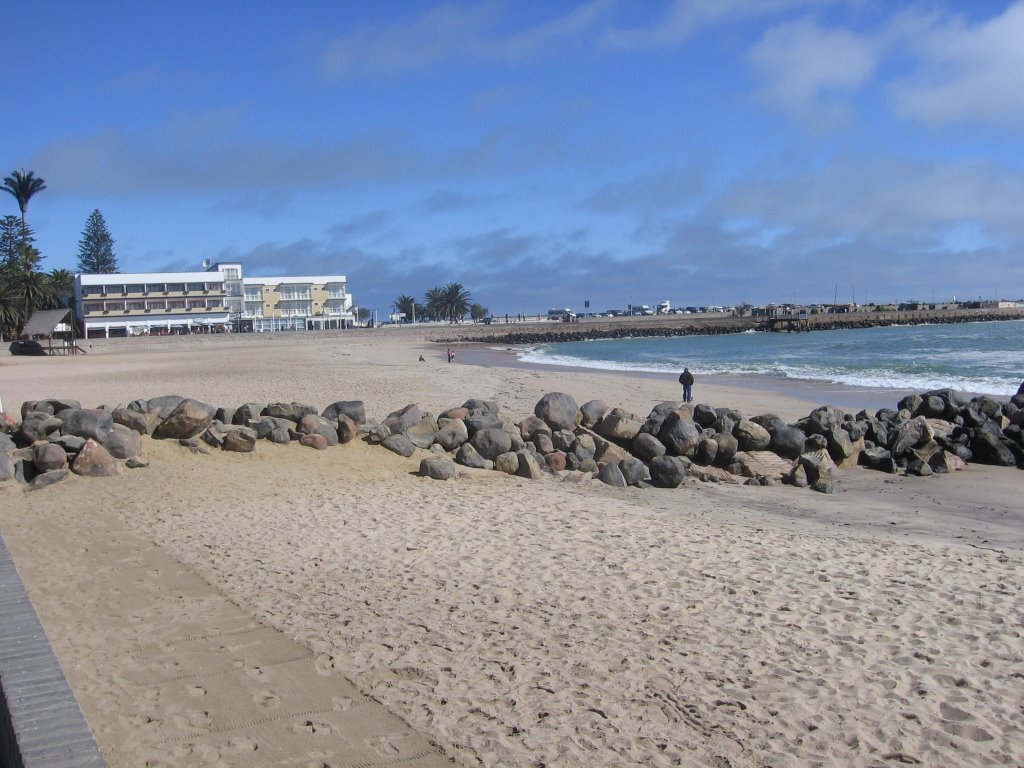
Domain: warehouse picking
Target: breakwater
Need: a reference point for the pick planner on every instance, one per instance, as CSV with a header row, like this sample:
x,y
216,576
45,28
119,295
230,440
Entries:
x,y
589,329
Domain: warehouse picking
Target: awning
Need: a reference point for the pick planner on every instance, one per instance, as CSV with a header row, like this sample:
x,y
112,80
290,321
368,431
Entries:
x,y
43,323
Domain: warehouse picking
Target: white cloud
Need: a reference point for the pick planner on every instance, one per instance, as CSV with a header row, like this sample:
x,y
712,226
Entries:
x,y
810,71
968,73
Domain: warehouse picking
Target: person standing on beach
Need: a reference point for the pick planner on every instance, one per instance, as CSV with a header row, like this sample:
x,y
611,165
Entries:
x,y
451,355
686,379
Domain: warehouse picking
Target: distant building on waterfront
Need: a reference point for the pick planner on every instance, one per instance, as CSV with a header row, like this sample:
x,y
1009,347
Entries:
x,y
218,299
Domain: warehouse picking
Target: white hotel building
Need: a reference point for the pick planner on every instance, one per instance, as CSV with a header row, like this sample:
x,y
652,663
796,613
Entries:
x,y
218,299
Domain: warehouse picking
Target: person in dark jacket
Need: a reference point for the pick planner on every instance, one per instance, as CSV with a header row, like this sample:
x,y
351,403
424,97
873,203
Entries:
x,y
686,379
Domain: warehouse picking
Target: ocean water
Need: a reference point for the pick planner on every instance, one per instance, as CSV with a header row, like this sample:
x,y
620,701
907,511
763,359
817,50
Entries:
x,y
985,358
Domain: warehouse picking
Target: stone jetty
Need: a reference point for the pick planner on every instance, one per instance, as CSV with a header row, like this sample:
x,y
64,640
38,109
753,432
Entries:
x,y
934,432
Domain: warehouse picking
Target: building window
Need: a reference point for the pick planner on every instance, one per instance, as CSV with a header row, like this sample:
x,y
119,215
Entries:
x,y
197,303
94,306
196,287
156,287
158,305
136,305
92,290
134,288
175,287
176,304
231,274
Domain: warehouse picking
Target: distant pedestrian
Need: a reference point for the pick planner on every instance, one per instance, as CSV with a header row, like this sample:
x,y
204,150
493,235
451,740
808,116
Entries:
x,y
451,354
686,379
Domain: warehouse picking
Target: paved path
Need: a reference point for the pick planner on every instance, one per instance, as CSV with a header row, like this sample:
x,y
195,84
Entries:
x,y
169,672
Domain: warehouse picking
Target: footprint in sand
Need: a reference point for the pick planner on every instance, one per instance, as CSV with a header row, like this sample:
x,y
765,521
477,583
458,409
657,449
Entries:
x,y
384,746
341,703
312,727
256,674
196,690
267,700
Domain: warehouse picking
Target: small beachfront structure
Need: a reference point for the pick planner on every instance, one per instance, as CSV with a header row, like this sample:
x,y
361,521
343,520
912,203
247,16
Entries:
x,y
216,300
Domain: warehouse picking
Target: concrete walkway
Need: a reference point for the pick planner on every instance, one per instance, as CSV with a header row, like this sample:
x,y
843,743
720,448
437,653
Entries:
x,y
169,672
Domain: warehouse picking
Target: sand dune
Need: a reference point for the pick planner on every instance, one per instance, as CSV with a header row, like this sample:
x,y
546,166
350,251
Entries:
x,y
530,623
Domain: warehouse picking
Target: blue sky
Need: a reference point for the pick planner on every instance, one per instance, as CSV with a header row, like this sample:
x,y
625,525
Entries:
x,y
540,153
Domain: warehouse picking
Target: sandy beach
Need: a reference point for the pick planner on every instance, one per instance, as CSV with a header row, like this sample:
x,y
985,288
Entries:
x,y
496,621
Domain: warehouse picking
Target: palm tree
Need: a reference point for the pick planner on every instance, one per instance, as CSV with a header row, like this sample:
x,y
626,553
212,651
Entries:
x,y
62,287
23,186
433,302
10,307
407,306
455,302
33,288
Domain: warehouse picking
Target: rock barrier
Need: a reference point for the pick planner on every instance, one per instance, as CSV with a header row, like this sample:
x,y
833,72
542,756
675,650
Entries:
x,y
935,432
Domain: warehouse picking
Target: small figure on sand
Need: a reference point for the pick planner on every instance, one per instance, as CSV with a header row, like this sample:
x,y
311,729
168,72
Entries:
x,y
686,379
451,355
423,359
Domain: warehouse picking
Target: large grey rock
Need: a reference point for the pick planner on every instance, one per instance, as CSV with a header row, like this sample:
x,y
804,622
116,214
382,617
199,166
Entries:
x,y
840,447
944,462
704,415
484,406
822,420
507,462
787,442
239,440
909,434
94,461
491,443
291,411
585,447
479,420
424,432
248,411
679,433
451,433
706,451
87,422
49,456
667,471
646,446
39,426
164,405
819,466
131,419
619,428
48,478
532,426
656,419
6,443
347,429
437,467
51,405
122,442
558,410
528,466
312,424
353,409
878,459
467,456
751,436
728,446
399,444
633,471
592,411
610,474
988,449
189,419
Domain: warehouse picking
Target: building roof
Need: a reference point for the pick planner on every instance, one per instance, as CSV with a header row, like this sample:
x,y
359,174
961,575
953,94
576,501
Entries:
x,y
43,323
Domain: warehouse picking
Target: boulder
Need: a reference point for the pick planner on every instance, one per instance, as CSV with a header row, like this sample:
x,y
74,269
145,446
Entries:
x,y
607,452
133,420
424,432
247,412
437,468
484,406
314,440
647,446
826,486
704,415
909,434
878,459
543,444
634,471
558,410
679,433
312,424
39,426
348,428
451,433
122,442
656,419
239,440
49,456
491,443
667,471
706,451
585,447
592,412
944,462
532,426
528,466
751,436
918,468
94,461
818,465
400,420
619,428
507,462
291,411
557,460
164,406
352,409
214,434
840,447
610,474
189,419
6,443
467,456
280,436
48,478
455,413
563,439
788,442
822,420
988,449
90,423
727,448
478,420
399,444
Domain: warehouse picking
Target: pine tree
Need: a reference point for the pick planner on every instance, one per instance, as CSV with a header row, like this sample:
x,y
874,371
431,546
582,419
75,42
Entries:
x,y
96,248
